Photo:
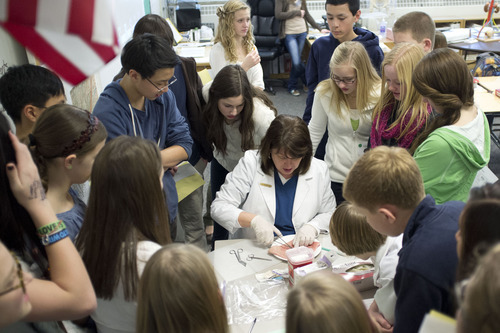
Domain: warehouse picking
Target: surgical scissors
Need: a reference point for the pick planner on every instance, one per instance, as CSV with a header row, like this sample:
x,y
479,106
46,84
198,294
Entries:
x,y
252,257
237,254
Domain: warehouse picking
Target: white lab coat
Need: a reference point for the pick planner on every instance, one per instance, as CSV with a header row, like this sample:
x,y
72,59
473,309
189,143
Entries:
x,y
249,189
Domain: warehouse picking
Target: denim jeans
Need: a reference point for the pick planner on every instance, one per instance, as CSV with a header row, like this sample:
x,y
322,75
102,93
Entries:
x,y
295,44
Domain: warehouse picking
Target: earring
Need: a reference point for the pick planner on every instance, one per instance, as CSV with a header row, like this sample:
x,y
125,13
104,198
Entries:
x,y
69,167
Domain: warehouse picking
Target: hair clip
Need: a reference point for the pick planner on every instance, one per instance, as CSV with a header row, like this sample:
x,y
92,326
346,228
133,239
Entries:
x,y
84,137
221,11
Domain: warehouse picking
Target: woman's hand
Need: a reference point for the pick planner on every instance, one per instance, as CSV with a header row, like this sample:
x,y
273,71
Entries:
x,y
305,236
302,13
264,230
24,179
252,59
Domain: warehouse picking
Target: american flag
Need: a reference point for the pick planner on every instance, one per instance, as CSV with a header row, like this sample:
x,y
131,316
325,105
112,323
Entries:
x,y
72,37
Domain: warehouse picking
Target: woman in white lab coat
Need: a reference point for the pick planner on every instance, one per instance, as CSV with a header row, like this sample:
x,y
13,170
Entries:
x,y
279,189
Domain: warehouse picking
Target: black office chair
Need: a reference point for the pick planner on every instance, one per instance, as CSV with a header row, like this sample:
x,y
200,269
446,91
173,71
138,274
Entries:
x,y
266,30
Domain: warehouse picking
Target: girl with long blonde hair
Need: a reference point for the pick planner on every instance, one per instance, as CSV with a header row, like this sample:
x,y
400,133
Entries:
x,y
344,104
401,112
234,42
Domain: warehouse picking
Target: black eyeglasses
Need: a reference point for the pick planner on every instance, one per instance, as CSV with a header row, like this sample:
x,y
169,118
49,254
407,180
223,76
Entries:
x,y
170,82
20,275
349,80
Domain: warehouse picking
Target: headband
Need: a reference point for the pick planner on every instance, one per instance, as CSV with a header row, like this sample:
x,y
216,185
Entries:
x,y
84,137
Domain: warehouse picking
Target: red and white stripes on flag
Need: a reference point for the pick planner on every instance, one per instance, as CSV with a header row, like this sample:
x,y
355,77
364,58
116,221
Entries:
x,y
72,37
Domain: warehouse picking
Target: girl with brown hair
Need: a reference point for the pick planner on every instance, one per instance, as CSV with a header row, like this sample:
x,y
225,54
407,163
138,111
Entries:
x,y
456,145
126,223
236,118
65,142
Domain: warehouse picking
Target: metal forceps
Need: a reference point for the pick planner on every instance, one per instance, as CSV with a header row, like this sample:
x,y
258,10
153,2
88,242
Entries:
x,y
237,254
252,257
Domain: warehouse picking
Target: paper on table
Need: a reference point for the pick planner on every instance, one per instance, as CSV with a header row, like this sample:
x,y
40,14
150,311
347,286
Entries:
x,y
437,322
187,180
205,76
195,52
228,268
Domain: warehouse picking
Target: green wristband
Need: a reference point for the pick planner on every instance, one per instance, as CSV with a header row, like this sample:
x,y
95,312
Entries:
x,y
51,228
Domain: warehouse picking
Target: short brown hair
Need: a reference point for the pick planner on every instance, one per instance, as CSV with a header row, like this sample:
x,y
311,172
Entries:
x,y
385,175
419,24
440,41
290,135
350,232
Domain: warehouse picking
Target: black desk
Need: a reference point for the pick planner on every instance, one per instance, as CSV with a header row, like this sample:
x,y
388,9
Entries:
x,y
478,47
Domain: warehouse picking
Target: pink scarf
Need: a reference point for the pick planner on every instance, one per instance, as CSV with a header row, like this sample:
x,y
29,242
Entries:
x,y
376,136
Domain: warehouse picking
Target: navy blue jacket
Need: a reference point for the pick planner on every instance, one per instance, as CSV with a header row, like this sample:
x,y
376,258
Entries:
x,y
426,270
318,63
161,122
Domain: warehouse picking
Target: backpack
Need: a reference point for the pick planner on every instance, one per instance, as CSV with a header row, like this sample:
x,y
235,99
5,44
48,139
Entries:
x,y
487,64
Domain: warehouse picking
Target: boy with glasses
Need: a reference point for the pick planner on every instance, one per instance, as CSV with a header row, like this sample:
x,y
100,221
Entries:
x,y
141,104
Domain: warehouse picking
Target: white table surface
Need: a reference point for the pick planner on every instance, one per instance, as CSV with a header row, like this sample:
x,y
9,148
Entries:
x,y
228,269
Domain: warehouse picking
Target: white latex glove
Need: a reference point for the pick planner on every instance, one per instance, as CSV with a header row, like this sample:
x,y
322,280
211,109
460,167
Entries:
x,y
305,236
264,230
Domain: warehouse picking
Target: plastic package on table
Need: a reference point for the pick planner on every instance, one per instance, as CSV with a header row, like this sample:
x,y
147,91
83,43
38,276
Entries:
x,y
246,300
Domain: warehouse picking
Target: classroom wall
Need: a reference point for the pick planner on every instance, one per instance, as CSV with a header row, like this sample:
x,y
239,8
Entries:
x,y
317,9
127,12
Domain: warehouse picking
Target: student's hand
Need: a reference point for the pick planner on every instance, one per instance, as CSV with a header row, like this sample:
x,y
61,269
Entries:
x,y
302,13
24,179
305,236
252,59
325,31
173,170
382,324
264,230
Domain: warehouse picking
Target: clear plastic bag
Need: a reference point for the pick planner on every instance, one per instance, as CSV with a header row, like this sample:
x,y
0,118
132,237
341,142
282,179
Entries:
x,y
246,300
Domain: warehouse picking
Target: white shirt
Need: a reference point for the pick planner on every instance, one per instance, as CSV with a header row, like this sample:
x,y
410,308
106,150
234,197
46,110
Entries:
x,y
249,189
344,146
117,315
218,61
385,263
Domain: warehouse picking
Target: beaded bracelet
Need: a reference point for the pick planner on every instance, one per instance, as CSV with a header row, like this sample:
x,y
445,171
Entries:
x,y
51,228
54,238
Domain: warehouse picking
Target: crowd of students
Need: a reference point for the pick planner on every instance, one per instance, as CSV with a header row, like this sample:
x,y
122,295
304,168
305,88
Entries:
x,y
404,144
